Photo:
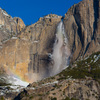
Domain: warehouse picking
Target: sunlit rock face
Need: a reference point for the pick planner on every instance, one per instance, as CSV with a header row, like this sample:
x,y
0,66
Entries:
x,y
42,37
43,49
27,55
14,56
82,26
7,26
20,24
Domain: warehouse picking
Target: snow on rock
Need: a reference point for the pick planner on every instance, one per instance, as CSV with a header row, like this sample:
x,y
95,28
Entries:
x,y
5,41
36,41
30,88
15,81
14,38
86,58
96,58
55,82
15,84
5,14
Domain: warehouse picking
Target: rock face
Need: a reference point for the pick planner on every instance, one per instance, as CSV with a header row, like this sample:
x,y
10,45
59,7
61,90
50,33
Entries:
x,y
82,23
20,24
77,82
14,57
80,81
28,53
63,90
7,26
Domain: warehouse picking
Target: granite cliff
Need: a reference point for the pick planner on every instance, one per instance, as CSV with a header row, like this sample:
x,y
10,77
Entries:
x,y
82,28
9,26
26,51
80,81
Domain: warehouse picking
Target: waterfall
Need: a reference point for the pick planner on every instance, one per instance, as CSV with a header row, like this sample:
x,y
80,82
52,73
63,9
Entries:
x,y
59,59
61,51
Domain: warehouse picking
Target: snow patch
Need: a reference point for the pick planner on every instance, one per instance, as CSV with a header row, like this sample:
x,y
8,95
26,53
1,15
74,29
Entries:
x,y
1,93
5,41
14,38
47,17
5,14
15,81
97,58
36,41
86,58
55,82
30,88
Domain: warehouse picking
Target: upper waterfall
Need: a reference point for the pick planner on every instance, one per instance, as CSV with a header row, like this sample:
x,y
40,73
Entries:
x,y
61,51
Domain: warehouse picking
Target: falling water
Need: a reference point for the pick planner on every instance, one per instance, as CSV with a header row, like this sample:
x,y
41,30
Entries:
x,y
61,51
59,59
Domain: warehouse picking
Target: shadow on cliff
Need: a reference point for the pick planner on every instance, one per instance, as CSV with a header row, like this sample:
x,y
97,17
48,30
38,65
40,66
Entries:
x,y
96,16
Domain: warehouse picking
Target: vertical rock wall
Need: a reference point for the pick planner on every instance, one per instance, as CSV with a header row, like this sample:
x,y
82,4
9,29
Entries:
x,y
82,28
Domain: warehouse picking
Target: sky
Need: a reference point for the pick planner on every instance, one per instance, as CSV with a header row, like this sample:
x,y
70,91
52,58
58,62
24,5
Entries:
x,y
31,10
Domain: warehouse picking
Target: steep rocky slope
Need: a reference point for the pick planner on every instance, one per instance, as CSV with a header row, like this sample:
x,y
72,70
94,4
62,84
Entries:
x,y
9,26
80,81
65,90
20,24
30,51
82,25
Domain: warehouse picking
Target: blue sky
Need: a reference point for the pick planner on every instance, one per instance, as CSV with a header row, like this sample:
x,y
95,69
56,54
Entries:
x,y
31,10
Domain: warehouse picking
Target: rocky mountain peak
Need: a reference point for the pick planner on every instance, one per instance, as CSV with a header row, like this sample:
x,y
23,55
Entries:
x,y
52,16
9,27
4,12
